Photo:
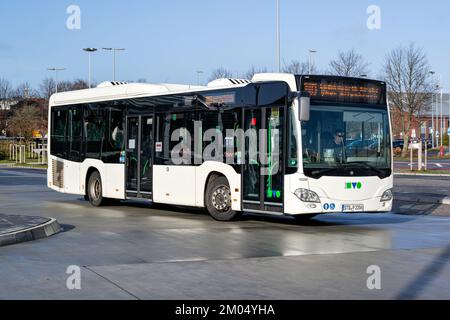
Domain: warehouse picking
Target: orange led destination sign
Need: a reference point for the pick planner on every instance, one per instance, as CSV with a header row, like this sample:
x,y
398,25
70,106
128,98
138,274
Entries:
x,y
218,99
345,90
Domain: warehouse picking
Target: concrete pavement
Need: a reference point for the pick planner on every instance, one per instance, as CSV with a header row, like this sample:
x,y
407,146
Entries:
x,y
137,251
433,164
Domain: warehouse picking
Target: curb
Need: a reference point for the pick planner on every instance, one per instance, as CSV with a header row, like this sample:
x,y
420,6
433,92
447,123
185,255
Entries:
x,y
421,174
7,166
445,201
45,230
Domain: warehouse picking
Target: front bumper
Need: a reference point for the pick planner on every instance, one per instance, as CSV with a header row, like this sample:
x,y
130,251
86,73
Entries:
x,y
336,206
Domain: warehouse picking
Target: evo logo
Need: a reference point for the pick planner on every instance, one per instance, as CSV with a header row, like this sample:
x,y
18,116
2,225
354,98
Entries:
x,y
353,185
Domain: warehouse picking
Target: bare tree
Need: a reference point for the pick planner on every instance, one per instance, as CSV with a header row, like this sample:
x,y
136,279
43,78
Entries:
x,y
349,64
220,73
25,91
24,121
47,88
297,67
410,83
5,89
252,71
80,84
64,86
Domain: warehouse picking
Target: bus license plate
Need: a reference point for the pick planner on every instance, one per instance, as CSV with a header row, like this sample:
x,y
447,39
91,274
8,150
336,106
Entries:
x,y
353,208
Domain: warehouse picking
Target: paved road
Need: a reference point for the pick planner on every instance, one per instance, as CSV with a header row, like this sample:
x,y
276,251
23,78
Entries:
x,y
435,164
134,251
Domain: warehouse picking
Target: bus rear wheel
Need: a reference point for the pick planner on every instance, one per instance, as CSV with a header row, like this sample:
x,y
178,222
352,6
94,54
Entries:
x,y
218,199
94,190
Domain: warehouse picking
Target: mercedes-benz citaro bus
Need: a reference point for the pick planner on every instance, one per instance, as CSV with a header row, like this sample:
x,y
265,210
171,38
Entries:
x,y
280,144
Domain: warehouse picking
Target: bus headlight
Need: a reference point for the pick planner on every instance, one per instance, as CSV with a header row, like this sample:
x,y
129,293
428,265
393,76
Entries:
x,y
307,195
387,196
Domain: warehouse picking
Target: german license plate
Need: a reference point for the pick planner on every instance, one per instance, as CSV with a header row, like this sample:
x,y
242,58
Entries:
x,y
352,208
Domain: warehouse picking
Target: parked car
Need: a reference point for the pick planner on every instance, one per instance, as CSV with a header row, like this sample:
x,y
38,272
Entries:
x,y
398,144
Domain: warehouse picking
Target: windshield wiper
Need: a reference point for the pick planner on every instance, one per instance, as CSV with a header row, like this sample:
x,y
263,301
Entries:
x,y
366,165
321,172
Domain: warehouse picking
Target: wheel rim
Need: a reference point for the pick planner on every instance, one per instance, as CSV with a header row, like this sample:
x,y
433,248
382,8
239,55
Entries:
x,y
221,199
96,190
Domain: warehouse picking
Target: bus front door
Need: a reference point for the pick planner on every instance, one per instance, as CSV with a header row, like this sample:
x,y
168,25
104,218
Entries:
x,y
139,157
263,167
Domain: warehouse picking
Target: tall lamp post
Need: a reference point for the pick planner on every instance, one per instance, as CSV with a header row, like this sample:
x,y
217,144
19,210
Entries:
x,y
89,51
310,64
278,38
448,127
114,50
442,120
56,70
433,134
199,72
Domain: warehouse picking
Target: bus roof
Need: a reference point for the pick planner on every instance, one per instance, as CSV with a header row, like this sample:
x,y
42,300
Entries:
x,y
108,91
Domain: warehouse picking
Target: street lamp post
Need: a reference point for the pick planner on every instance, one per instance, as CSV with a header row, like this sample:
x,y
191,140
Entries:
x,y
433,134
56,70
432,121
448,127
442,121
114,50
310,64
89,51
278,38
199,72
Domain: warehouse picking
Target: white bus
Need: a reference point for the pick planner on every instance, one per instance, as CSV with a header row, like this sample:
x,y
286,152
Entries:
x,y
280,144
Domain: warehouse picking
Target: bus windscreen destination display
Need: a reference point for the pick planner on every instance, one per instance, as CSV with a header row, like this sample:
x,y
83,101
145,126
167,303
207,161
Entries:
x,y
338,90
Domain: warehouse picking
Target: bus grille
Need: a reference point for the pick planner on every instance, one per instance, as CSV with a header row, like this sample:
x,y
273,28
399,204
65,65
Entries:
x,y
58,173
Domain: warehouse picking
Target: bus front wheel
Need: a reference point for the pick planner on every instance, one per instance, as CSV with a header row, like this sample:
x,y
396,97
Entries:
x,y
94,190
218,199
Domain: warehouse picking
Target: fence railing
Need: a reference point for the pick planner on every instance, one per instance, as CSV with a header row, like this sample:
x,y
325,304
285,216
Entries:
x,y
33,152
24,153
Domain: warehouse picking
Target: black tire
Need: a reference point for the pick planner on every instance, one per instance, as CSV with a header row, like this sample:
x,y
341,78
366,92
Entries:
x,y
218,200
95,190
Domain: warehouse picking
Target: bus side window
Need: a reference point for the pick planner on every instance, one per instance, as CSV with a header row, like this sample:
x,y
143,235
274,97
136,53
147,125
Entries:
x,y
94,124
114,137
58,134
210,124
166,124
75,133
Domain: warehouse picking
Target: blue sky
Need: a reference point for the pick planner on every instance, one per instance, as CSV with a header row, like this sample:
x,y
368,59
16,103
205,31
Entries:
x,y
168,40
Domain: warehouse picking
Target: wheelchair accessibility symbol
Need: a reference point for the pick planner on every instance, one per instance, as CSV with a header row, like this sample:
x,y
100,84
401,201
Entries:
x,y
329,206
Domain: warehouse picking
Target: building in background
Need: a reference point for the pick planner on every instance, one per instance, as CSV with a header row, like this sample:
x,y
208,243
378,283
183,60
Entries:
x,y
6,105
423,124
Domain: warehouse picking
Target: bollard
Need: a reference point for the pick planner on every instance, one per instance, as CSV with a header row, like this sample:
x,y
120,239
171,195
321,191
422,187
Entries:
x,y
419,157
411,157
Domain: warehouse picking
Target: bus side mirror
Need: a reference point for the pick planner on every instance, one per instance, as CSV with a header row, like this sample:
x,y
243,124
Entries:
x,y
304,106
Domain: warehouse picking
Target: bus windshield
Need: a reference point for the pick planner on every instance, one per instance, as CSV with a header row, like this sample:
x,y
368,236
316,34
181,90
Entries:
x,y
345,141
